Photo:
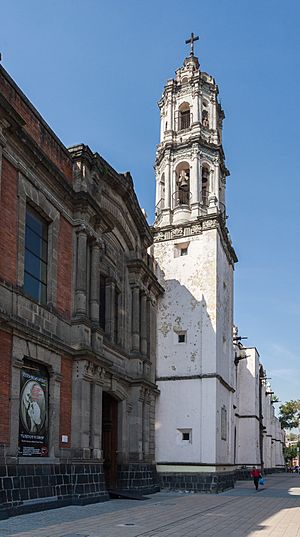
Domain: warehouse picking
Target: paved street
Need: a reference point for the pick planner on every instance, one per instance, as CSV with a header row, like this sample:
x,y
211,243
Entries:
x,y
273,511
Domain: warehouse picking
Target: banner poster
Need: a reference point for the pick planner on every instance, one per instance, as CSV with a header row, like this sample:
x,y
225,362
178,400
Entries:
x,y
33,417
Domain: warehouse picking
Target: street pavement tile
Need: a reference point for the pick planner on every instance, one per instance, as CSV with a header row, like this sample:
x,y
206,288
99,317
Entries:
x,y
274,511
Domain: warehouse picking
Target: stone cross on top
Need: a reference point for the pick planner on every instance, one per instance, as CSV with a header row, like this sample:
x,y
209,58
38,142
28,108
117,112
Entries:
x,y
191,41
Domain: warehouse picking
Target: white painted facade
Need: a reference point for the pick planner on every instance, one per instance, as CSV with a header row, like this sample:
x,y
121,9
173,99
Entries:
x,y
259,438
247,415
195,361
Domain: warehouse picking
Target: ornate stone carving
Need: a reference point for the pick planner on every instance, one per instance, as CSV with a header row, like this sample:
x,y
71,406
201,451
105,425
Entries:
x,y
209,224
196,229
177,232
160,236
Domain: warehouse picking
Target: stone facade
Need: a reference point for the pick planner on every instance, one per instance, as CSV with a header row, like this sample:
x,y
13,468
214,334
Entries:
x,y
78,359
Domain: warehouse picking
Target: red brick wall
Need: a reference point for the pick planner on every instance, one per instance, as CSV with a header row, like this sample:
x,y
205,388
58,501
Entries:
x,y
5,381
65,400
64,268
8,222
34,126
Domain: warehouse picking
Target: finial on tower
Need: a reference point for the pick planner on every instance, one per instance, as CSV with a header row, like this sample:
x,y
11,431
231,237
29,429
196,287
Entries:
x,y
191,42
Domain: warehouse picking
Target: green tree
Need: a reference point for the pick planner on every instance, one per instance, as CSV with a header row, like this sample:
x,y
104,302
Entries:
x,y
290,453
289,414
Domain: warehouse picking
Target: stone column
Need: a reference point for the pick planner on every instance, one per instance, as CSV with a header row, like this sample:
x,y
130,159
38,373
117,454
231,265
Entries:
x,y
95,282
136,319
152,339
162,126
96,422
80,292
146,424
169,113
214,115
81,409
196,117
194,181
136,424
148,326
167,185
143,334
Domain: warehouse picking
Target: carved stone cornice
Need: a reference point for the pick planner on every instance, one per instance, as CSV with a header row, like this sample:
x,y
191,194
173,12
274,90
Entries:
x,y
197,227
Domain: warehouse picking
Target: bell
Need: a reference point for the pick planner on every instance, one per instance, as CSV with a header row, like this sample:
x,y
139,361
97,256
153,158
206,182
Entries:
x,y
183,179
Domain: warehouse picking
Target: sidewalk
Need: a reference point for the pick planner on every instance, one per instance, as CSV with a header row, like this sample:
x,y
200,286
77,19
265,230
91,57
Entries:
x,y
273,511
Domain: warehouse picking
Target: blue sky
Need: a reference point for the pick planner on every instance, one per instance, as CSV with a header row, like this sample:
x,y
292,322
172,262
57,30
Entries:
x,y
95,71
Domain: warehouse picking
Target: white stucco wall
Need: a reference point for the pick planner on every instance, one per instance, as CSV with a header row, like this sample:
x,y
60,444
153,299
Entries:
x,y
198,300
247,411
185,406
224,324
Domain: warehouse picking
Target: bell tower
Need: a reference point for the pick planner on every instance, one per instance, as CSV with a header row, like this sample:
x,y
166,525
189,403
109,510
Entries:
x,y
190,168
196,260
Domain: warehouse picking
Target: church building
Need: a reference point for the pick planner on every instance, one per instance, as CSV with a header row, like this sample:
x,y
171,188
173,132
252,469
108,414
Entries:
x,y
200,433
119,370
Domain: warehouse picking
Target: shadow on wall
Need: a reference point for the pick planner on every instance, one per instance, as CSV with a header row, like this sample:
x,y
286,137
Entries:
x,y
185,329
188,350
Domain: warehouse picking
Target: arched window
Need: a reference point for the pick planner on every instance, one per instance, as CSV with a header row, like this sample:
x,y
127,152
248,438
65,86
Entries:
x,y
182,194
205,185
184,116
205,120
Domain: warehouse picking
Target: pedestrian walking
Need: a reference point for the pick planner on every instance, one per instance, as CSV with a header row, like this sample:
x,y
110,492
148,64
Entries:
x,y
255,473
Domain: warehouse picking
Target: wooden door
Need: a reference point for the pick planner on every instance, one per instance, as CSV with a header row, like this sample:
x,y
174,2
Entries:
x,y
110,439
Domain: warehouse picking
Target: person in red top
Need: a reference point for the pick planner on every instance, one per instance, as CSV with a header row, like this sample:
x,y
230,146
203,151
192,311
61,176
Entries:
x,y
255,473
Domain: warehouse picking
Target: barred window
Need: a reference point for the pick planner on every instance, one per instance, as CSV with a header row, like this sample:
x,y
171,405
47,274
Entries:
x,y
36,255
184,119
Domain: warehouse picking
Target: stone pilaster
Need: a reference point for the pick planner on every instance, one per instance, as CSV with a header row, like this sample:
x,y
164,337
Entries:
x,y
95,281
136,319
88,380
152,338
143,330
194,184
109,308
136,424
81,279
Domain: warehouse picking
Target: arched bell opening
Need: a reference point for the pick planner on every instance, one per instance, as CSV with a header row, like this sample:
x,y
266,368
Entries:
x,y
205,114
182,193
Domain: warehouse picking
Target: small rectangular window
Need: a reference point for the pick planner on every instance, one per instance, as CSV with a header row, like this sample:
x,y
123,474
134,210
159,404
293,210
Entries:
x,y
184,437
181,249
36,256
182,337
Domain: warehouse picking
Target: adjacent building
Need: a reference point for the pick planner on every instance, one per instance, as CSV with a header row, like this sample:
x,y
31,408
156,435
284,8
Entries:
x,y
78,300
258,437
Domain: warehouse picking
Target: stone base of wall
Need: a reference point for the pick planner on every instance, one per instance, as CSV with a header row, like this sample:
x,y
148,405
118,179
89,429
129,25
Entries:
x,y
243,474
197,482
139,477
32,487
